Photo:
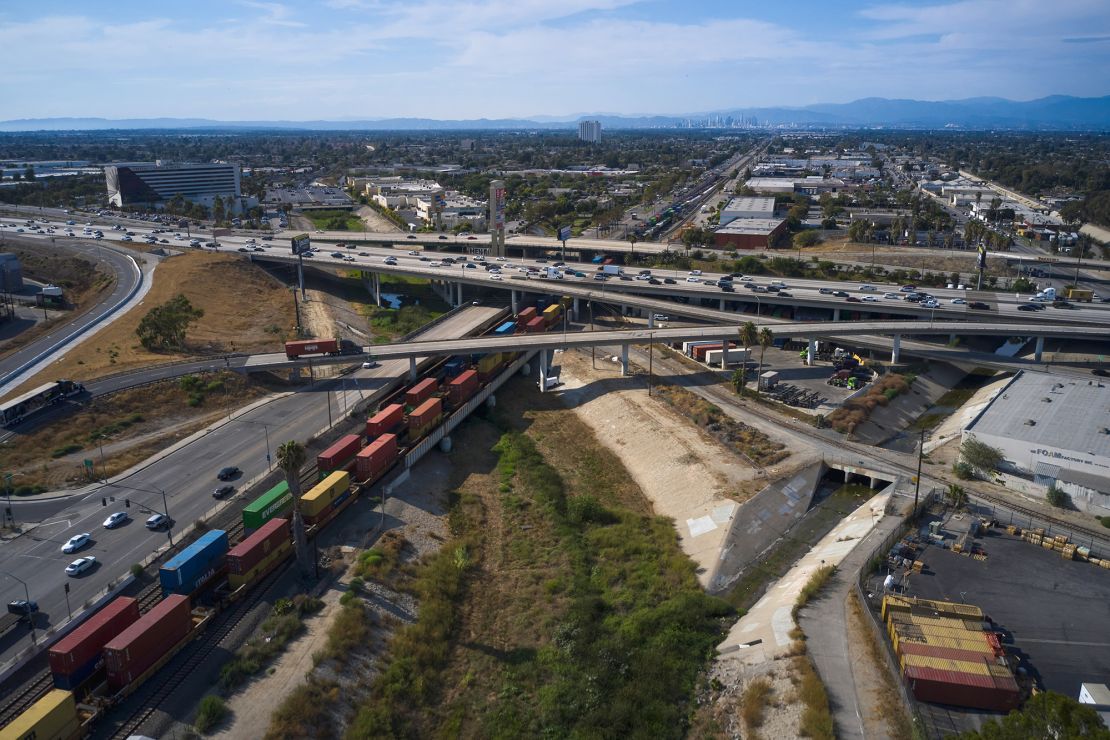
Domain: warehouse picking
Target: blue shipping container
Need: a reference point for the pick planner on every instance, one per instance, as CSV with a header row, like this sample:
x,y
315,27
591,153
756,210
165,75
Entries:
x,y
505,329
195,565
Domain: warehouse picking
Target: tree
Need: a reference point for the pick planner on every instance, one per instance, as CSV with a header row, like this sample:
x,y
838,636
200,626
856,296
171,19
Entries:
x,y
290,458
218,209
29,173
980,455
164,327
748,336
1047,715
1058,498
766,339
806,239
956,495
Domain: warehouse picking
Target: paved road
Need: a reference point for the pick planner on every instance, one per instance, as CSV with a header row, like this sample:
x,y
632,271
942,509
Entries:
x,y
15,368
187,476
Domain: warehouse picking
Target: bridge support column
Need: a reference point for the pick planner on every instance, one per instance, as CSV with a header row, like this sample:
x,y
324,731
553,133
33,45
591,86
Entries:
x,y
651,319
836,314
722,308
543,370
516,300
576,309
378,289
952,339
412,368
624,359
811,352
1039,349
896,350
460,295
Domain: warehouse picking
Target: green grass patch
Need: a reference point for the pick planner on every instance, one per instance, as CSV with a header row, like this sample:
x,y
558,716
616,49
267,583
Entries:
x,y
817,720
392,323
812,587
286,623
307,711
956,397
66,450
334,220
211,713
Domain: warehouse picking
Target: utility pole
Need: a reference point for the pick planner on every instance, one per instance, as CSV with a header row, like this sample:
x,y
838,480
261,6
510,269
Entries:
x,y
917,481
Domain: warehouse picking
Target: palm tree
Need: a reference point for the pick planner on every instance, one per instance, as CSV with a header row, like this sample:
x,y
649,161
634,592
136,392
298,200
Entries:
x,y
766,339
748,337
291,457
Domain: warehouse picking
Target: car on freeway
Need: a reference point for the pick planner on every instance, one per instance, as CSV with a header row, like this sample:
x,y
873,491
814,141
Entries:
x,y
841,293
22,607
669,281
957,301
244,249
495,276
692,279
411,236
727,288
651,281
390,260
348,258
908,289
413,253
825,291
157,521
892,296
601,276
661,317
76,542
695,272
784,294
852,299
223,492
363,254
370,364
125,239
868,288
470,238
930,304
870,299
228,473
500,259
979,306
80,565
470,266
267,238
443,237
1029,307
115,519
337,255
1062,304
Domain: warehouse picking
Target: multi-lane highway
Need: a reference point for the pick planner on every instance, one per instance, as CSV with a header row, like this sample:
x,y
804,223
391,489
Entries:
x,y
187,475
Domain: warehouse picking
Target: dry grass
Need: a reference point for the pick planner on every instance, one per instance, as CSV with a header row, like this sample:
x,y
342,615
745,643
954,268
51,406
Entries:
x,y
817,721
889,703
753,444
813,587
856,410
245,310
134,424
753,703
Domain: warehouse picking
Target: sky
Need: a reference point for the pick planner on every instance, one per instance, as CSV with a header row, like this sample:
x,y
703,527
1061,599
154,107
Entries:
x,y
354,59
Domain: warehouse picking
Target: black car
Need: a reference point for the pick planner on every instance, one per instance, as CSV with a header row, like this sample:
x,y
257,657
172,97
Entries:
x,y
1062,304
653,281
669,281
979,306
223,492
267,238
841,294
1028,307
22,607
784,294
228,473
728,289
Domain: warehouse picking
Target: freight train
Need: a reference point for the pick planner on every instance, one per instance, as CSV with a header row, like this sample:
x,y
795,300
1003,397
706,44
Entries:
x,y
114,651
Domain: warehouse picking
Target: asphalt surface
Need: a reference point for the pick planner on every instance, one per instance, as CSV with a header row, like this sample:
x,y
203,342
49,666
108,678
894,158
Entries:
x,y
187,475
15,367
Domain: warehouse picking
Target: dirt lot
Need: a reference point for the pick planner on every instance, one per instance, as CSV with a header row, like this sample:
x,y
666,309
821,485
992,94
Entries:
x,y
244,310
375,221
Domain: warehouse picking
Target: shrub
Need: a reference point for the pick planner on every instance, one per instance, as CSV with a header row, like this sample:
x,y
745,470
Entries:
x,y
137,570
211,712
754,702
1058,498
963,471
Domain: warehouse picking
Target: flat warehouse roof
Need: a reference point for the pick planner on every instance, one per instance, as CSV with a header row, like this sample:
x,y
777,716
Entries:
x,y
750,226
1065,413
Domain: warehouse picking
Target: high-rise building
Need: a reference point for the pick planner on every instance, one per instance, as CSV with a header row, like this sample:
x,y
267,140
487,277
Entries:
x,y
589,131
144,183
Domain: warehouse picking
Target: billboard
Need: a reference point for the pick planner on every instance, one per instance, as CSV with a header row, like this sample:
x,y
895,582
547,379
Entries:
x,y
301,243
982,257
497,205
564,233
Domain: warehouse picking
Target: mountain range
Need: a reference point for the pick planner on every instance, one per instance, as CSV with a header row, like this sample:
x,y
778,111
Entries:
x,y
1056,112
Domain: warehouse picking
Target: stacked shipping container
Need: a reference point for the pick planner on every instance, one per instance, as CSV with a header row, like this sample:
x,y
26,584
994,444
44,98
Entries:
x,y
339,456
460,389
277,502
257,554
135,650
195,565
424,418
75,657
321,499
376,458
421,392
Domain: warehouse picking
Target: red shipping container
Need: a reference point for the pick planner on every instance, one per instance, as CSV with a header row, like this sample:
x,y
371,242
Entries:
x,y
963,689
384,421
140,646
462,387
251,551
340,453
421,391
535,325
376,457
425,413
939,651
82,645
525,316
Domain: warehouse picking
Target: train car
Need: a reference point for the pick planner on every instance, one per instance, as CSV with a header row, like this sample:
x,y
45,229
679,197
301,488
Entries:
x,y
454,366
425,417
258,554
385,421
135,650
376,458
321,499
525,316
505,330
552,313
489,364
461,388
55,716
194,566
535,325
340,456
421,392
277,502
78,655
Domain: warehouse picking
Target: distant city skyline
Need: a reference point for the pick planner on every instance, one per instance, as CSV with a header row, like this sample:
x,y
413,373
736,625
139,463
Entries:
x,y
365,59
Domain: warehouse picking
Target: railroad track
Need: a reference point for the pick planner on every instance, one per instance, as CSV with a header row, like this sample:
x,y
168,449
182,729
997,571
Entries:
x,y
195,653
27,695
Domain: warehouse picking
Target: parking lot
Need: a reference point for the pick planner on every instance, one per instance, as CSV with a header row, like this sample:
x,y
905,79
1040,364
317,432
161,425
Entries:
x,y
1056,611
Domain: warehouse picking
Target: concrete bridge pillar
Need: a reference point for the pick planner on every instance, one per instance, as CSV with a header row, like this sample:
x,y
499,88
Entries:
x,y
811,352
460,295
377,289
1039,349
896,350
576,309
543,370
651,319
624,359
412,369
836,314
871,482
516,302
722,307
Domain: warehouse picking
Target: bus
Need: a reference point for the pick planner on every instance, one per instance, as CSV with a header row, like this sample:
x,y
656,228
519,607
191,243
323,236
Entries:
x,y
19,408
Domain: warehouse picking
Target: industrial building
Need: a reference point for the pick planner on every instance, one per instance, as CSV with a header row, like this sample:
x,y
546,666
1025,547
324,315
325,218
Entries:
x,y
747,207
1054,430
11,274
749,233
589,131
146,184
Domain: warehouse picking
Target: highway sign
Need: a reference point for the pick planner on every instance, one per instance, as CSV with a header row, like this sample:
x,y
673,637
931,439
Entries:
x,y
564,233
301,243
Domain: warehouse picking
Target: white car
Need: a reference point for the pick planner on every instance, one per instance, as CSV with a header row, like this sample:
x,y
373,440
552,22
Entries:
x,y
695,272
930,304
870,299
868,288
76,542
692,279
500,259
413,253
892,296
126,239
80,565
957,301
494,276
115,520
369,364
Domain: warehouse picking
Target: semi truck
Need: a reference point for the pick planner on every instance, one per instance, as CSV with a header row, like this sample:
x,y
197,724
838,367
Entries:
x,y
1080,294
331,347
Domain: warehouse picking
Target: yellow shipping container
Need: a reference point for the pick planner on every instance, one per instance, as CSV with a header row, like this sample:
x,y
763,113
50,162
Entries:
x,y
488,362
1011,529
324,492
53,717
944,664
896,603
552,313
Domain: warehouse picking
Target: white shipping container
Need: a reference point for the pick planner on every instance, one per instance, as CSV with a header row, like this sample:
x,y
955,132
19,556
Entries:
x,y
735,356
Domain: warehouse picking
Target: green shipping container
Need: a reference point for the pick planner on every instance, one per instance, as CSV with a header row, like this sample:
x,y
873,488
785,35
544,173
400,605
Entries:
x,y
277,502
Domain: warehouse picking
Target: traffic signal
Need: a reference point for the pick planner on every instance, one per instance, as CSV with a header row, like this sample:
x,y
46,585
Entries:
x,y
67,588
127,501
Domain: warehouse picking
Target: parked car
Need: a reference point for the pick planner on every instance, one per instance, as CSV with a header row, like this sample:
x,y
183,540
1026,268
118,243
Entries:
x,y
76,542
116,519
80,565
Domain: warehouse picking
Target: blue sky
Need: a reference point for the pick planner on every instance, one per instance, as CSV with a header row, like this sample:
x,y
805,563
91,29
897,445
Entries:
x,y
336,59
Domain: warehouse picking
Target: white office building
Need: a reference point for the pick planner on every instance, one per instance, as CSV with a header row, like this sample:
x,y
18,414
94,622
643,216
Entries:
x,y
589,131
147,184
747,207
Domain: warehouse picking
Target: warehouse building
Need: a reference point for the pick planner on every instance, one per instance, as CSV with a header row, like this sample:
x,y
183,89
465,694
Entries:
x,y
747,207
749,233
147,184
1054,430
